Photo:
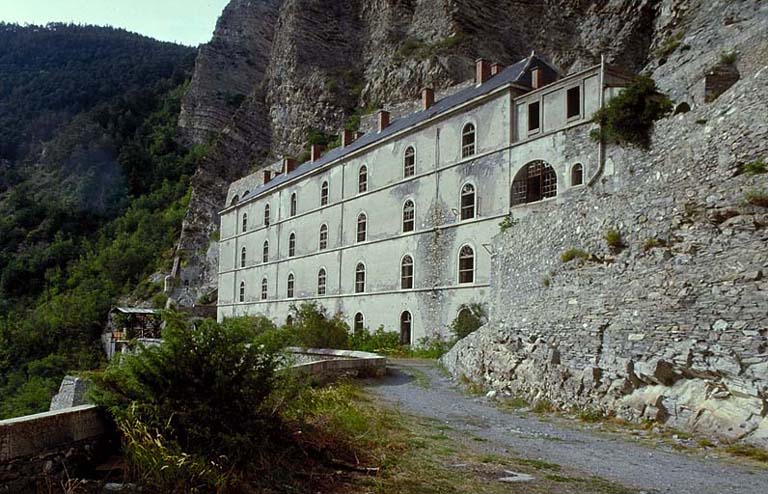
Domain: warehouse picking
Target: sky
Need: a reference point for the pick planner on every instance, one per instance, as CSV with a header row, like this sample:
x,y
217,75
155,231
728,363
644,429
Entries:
x,y
189,22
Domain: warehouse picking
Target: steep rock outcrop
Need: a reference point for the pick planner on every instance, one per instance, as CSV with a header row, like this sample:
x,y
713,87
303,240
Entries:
x,y
277,68
673,326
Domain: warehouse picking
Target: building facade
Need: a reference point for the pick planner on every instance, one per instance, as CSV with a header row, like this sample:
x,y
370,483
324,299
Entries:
x,y
393,227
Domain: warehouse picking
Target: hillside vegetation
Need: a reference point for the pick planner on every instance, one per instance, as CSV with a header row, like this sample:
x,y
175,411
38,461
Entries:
x,y
93,188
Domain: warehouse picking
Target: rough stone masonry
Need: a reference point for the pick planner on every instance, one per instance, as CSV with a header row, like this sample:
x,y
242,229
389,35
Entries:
x,y
670,326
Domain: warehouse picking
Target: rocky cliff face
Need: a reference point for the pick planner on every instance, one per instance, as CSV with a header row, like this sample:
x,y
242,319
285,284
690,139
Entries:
x,y
672,325
276,69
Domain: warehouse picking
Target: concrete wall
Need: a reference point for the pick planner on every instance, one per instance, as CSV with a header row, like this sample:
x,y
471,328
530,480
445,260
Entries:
x,y
439,235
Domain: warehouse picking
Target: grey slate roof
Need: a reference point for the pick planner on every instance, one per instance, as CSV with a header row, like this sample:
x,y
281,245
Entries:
x,y
510,74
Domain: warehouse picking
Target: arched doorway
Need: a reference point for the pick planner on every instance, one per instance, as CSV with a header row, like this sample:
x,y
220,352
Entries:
x,y
406,323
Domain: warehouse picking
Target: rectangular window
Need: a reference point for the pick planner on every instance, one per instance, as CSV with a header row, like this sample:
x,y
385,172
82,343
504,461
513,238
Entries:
x,y
534,116
573,102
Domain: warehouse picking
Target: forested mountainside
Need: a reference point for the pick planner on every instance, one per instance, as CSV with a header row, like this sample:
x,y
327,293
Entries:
x,y
93,186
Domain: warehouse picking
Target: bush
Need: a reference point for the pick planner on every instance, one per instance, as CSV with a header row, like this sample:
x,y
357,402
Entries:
x,y
728,58
652,243
757,198
468,320
203,397
573,253
628,118
755,167
431,347
313,328
379,341
613,239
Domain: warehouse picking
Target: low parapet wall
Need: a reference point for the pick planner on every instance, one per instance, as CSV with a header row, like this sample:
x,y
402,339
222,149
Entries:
x,y
331,364
37,447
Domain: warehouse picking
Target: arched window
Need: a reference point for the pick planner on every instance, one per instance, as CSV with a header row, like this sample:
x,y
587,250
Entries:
x,y
324,193
406,321
289,321
294,204
242,257
242,291
362,227
577,175
321,279
359,324
234,200
360,278
265,252
466,265
245,222
468,140
323,237
292,245
289,291
362,179
467,202
264,288
534,182
266,215
406,273
409,216
409,162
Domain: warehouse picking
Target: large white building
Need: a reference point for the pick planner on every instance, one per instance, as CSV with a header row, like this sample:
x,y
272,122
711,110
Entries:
x,y
393,227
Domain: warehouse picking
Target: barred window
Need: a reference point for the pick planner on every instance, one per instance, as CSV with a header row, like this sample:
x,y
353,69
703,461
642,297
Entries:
x,y
324,193
406,273
264,287
289,291
360,278
292,245
534,182
321,281
265,252
466,265
467,202
242,257
362,179
409,162
323,237
468,140
362,227
409,216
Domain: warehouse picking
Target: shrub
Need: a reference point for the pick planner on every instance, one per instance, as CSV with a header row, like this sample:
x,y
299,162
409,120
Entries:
x,y
755,167
313,328
508,222
628,118
613,239
757,198
652,243
431,347
468,320
573,253
379,341
728,58
201,400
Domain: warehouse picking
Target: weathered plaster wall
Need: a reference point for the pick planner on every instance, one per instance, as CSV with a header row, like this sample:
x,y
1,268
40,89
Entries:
x,y
676,333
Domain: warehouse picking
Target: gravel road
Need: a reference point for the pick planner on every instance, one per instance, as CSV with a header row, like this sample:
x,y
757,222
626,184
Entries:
x,y
417,387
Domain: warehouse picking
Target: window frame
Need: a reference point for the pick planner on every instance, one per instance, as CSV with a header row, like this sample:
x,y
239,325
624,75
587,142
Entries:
x,y
243,257
244,223
290,286
410,327
242,292
265,252
411,277
364,231
322,281
461,270
355,326
468,149
292,244
537,129
409,169
581,174
568,91
360,285
323,237
266,215
413,216
543,178
294,205
468,183
324,193
362,179
264,288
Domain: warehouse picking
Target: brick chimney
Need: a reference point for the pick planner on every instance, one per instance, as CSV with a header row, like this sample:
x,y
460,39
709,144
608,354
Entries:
x,y
289,164
347,138
267,176
496,68
427,98
383,119
315,151
537,77
482,71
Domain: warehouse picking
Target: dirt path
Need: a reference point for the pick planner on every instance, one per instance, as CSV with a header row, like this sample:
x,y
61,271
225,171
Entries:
x,y
418,387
